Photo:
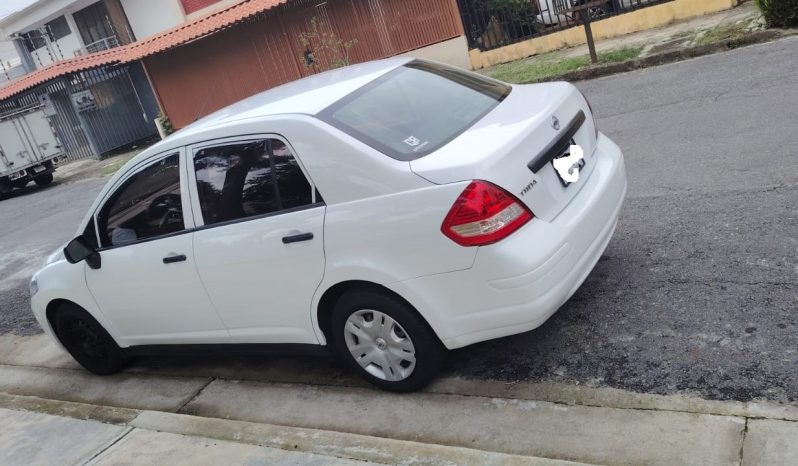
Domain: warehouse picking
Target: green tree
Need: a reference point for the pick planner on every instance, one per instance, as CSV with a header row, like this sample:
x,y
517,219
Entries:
x,y
779,13
325,44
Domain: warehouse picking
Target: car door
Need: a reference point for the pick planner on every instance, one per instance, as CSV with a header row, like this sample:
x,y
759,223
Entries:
x,y
147,285
259,249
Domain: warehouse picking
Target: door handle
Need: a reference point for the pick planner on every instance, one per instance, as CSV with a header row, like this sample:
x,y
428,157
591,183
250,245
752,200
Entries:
x,y
298,238
174,259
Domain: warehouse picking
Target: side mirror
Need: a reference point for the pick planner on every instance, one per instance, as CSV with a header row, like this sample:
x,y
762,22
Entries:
x,y
79,250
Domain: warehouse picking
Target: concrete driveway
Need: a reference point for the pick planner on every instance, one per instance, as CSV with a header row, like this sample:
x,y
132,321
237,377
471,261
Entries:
x,y
697,292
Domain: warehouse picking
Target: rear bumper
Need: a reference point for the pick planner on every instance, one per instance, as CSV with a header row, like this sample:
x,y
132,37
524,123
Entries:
x,y
517,284
30,172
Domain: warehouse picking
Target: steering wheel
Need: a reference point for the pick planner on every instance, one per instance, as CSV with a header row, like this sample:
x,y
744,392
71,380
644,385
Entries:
x,y
165,206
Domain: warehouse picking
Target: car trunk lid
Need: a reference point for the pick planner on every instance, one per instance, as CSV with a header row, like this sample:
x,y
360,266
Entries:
x,y
514,145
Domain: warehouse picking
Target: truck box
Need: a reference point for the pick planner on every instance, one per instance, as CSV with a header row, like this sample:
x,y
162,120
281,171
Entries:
x,y
29,149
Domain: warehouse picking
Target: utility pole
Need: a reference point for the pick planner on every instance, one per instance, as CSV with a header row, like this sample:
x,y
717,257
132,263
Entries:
x,y
581,10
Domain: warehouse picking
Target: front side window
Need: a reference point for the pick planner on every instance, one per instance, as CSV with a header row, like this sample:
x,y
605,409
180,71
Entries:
x,y
415,109
250,179
146,206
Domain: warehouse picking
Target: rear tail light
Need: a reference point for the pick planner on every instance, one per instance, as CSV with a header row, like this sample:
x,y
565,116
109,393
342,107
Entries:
x,y
484,214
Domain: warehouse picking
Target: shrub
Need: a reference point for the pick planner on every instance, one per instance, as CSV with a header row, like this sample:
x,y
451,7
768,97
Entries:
x,y
324,48
166,124
779,13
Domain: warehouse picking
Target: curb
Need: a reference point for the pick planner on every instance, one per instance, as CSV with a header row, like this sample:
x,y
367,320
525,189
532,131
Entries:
x,y
314,441
604,397
599,71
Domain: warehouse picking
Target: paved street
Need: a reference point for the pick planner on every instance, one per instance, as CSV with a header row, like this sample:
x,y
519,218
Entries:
x,y
697,292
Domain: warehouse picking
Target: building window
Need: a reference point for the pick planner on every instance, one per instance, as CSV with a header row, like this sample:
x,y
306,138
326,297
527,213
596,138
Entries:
x,y
190,6
58,28
94,24
34,40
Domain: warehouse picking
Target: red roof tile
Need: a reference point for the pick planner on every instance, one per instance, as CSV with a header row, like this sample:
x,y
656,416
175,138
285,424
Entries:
x,y
166,40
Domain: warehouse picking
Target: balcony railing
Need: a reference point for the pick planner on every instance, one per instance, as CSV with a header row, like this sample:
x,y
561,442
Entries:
x,y
99,46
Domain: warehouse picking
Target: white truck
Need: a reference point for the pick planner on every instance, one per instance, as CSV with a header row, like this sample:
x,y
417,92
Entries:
x,y
29,149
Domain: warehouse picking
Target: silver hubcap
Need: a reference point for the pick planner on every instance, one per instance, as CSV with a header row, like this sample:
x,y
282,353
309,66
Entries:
x,y
380,345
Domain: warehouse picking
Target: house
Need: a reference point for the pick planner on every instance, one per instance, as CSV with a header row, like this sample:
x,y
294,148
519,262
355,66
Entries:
x,y
93,110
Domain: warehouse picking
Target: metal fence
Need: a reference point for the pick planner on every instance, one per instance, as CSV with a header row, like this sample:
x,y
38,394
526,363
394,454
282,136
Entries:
x,y
491,24
110,108
55,99
93,112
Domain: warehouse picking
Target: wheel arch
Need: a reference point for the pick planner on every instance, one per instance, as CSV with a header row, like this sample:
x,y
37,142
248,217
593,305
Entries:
x,y
333,293
52,308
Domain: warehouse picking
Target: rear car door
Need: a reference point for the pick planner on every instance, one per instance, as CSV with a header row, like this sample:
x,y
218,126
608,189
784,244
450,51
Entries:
x,y
147,286
259,242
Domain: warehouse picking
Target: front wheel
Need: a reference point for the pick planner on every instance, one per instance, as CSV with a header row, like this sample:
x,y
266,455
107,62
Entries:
x,y
385,341
44,180
87,341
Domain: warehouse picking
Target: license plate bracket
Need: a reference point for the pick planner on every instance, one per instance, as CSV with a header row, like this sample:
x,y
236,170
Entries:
x,y
569,165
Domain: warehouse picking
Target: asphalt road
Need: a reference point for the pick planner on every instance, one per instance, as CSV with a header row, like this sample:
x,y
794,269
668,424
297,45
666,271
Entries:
x,y
34,222
698,290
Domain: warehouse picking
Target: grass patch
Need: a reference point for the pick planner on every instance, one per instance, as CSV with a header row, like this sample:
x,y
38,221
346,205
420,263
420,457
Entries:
x,y
554,64
113,164
724,33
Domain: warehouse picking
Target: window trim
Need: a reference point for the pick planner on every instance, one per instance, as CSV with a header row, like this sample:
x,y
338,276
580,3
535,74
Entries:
x,y
188,217
191,152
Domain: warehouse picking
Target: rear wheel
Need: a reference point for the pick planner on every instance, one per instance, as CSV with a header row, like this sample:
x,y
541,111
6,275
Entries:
x,y
385,341
44,180
87,341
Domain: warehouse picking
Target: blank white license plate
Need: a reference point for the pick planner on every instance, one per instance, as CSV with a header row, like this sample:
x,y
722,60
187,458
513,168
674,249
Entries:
x,y
39,169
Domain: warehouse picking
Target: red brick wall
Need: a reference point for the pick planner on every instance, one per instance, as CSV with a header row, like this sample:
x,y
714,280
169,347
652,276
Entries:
x,y
190,6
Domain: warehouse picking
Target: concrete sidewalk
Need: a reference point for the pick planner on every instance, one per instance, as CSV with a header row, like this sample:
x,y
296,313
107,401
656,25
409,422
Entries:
x,y
31,439
300,406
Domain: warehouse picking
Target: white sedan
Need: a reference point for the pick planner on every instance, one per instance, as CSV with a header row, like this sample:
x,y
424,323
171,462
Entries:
x,y
391,210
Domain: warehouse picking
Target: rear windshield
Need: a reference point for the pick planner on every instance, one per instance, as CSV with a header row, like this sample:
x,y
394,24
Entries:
x,y
415,109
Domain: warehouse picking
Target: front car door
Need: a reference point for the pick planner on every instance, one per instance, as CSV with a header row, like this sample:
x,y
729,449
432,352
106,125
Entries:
x,y
148,287
259,242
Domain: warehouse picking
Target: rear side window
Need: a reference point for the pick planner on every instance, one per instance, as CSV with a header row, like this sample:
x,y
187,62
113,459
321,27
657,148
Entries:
x,y
147,205
251,179
415,109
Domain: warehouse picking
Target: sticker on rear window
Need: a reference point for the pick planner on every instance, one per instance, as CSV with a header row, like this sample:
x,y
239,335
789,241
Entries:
x,y
416,143
412,141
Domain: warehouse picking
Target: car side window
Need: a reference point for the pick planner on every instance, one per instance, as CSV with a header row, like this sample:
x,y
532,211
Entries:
x,y
146,206
238,181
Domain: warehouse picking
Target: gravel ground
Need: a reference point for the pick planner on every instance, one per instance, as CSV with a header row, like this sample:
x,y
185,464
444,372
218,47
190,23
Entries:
x,y
697,292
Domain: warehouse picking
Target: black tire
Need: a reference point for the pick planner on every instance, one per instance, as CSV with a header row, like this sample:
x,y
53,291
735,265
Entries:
x,y
87,341
44,180
430,354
